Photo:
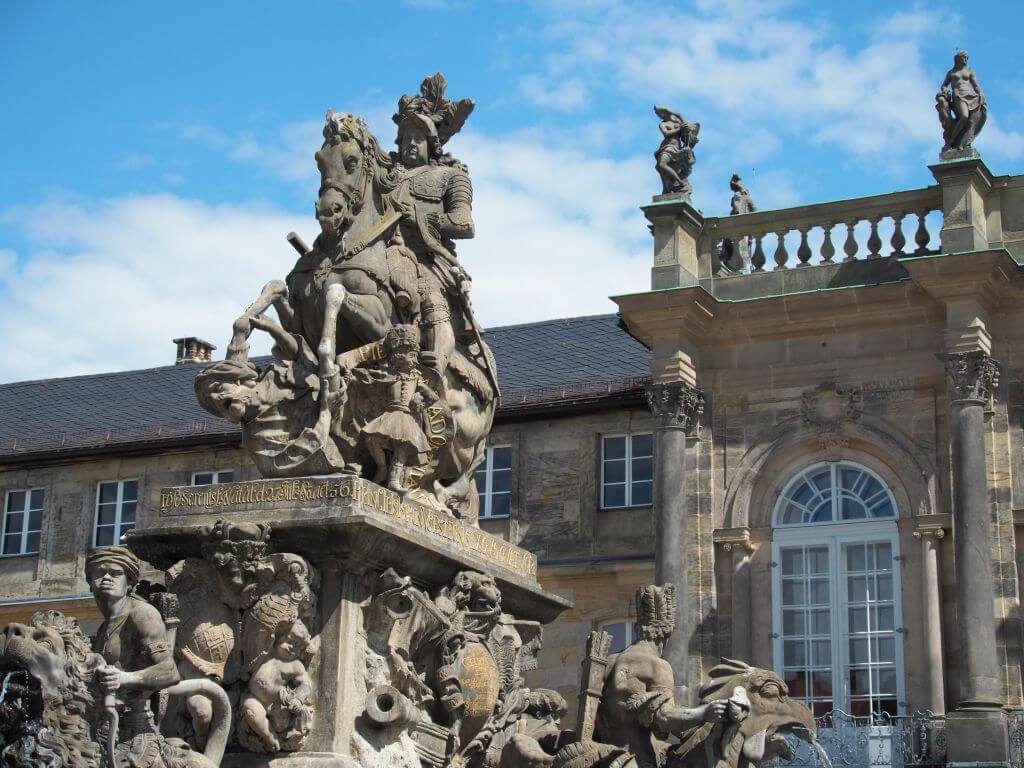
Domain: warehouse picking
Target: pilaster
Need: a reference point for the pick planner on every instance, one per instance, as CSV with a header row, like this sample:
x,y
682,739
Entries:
x,y
735,543
931,533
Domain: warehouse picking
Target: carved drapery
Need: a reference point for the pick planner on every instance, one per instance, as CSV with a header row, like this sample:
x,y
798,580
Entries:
x,y
676,405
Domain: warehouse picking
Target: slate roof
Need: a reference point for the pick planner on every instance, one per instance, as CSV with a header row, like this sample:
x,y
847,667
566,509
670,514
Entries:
x,y
553,361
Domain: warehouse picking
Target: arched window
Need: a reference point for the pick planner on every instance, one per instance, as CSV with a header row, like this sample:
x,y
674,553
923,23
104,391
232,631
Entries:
x,y
836,594
834,492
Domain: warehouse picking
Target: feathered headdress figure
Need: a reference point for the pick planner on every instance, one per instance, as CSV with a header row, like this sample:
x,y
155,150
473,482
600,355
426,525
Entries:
x,y
432,111
656,612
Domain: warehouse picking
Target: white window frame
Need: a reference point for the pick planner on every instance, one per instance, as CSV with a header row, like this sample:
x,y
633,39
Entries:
x,y
834,467
118,522
487,498
216,475
834,535
629,470
22,549
630,629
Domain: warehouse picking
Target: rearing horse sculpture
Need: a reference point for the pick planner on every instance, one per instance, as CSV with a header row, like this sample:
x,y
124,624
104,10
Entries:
x,y
360,248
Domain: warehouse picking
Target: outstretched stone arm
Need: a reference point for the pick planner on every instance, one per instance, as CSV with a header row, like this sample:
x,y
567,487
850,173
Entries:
x,y
663,715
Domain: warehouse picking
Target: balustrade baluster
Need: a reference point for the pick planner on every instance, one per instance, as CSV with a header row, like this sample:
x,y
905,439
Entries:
x,y
828,250
899,240
850,246
803,252
874,241
922,237
757,260
781,254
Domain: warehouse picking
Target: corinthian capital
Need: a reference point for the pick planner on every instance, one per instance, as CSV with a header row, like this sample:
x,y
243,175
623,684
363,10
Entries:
x,y
971,376
676,404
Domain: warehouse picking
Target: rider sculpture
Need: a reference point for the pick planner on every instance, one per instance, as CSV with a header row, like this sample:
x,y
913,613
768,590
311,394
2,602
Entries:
x,y
384,259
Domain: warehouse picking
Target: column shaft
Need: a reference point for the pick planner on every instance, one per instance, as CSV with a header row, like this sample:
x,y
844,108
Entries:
x,y
931,582
677,407
742,630
979,669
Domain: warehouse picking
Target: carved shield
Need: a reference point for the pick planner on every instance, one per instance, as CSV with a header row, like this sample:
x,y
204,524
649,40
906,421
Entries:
x,y
480,681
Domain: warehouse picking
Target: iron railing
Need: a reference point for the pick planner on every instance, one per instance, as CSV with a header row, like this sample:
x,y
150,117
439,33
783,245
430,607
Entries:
x,y
881,741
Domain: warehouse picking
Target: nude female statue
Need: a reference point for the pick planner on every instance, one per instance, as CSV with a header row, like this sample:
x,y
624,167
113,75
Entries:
x,y
961,105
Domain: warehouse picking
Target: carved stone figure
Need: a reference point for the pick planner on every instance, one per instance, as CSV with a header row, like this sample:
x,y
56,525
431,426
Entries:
x,y
675,157
246,616
88,709
384,258
742,719
456,661
961,105
285,408
736,255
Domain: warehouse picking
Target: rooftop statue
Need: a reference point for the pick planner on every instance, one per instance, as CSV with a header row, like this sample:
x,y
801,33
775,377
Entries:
x,y
349,392
635,722
675,157
736,255
961,105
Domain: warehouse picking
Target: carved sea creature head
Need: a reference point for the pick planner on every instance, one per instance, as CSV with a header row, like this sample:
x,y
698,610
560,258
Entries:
x,y
349,159
761,714
49,666
655,612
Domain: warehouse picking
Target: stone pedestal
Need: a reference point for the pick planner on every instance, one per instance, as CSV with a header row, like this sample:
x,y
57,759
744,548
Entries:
x,y
965,182
351,531
676,226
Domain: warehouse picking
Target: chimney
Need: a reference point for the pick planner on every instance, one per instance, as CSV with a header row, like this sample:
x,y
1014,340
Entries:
x,y
193,350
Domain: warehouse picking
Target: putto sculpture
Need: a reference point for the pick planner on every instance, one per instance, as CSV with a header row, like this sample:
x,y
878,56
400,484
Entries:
x,y
381,368
628,714
675,157
961,105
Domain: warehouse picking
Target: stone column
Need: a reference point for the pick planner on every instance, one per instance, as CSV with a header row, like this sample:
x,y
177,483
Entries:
x,y
677,407
931,535
977,730
736,543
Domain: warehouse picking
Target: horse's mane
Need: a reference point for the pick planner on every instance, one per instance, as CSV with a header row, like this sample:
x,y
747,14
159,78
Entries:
x,y
342,125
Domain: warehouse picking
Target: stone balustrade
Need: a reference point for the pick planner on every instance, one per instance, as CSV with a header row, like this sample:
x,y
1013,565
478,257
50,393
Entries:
x,y
823,233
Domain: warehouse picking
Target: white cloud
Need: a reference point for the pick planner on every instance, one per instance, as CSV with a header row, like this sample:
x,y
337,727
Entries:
x,y
741,67
106,285
553,93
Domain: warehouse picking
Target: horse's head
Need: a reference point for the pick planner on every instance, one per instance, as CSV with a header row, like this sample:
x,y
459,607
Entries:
x,y
349,160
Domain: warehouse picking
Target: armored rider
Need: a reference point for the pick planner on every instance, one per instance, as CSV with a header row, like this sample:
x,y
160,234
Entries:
x,y
435,197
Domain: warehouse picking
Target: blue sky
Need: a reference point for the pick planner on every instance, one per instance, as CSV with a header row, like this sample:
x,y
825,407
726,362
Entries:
x,y
155,155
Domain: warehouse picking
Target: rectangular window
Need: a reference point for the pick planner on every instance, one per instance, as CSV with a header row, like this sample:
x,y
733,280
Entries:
x,y
837,623
494,483
621,632
213,478
627,471
117,503
23,521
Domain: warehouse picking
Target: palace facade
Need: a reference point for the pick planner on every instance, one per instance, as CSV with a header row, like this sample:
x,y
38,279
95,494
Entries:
x,y
823,448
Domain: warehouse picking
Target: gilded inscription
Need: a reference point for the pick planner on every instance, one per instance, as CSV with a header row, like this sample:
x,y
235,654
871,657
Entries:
x,y
322,490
